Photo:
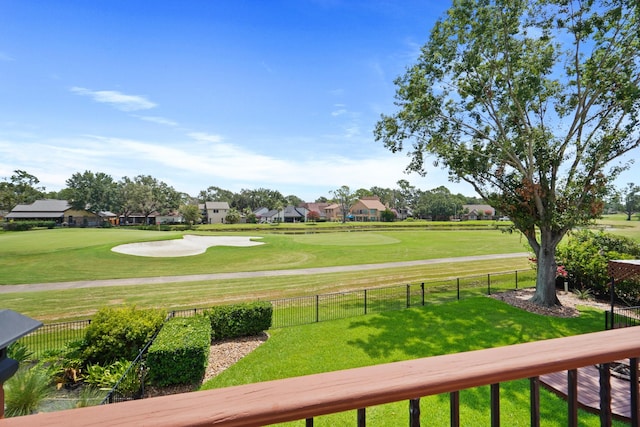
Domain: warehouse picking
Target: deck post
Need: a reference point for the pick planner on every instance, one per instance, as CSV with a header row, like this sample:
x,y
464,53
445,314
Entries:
x,y
605,394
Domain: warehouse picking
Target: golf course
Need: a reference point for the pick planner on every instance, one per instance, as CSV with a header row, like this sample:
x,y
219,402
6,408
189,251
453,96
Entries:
x,y
42,257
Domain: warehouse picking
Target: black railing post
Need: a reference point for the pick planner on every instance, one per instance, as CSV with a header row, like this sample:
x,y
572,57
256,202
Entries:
x,y
414,413
362,417
605,394
572,397
408,295
309,422
454,408
613,300
633,381
495,405
365,301
534,399
317,308
458,287
489,284
516,279
422,290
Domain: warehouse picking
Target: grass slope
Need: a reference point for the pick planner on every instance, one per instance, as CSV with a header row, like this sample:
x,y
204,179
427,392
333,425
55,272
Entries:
x,y
466,325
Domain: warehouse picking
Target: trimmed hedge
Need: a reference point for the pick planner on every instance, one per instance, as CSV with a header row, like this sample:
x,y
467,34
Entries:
x,y
239,320
27,225
115,334
180,352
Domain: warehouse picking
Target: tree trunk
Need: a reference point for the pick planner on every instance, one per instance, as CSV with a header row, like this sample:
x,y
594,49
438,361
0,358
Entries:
x,y
545,294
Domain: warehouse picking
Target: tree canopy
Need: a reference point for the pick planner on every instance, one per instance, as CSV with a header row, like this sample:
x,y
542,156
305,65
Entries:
x,y
530,102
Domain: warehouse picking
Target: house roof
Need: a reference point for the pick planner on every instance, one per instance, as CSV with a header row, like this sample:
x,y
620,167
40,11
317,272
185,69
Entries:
x,y
372,203
45,205
217,205
46,208
478,208
293,212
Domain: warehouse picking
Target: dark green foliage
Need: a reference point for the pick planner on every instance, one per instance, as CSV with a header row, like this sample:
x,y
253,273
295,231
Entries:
x,y
180,352
387,215
239,320
586,255
108,376
20,352
27,225
116,334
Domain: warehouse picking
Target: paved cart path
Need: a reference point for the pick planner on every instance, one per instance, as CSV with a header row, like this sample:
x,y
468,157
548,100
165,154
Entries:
x,y
36,287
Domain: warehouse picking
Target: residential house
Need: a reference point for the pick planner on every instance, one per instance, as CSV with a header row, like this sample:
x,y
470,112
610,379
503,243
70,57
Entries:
x,y
215,212
473,212
367,209
59,211
333,212
293,214
316,207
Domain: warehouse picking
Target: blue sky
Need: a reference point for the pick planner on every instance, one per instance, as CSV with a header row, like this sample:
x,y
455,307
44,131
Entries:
x,y
280,94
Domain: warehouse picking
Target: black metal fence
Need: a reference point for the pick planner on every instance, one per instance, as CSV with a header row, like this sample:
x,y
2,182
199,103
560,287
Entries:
x,y
622,317
331,306
297,311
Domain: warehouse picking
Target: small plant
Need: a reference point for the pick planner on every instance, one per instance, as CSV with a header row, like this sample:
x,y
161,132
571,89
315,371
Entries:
x,y
20,352
583,294
25,391
90,396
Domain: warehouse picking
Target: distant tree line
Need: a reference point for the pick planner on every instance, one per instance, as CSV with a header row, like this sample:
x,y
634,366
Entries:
x,y
144,194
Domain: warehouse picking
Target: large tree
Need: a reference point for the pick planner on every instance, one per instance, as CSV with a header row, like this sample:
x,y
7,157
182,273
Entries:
x,y
21,188
345,198
96,192
529,101
631,199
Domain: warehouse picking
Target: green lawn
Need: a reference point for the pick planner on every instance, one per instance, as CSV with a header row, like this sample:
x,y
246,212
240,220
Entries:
x,y
85,254
466,325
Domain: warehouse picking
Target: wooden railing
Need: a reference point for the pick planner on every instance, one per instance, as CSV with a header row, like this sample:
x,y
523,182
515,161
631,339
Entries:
x,y
314,395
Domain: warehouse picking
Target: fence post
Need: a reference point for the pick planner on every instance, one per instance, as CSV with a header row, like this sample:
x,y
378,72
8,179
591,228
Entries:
x,y
408,295
489,284
458,286
365,301
516,279
422,288
317,308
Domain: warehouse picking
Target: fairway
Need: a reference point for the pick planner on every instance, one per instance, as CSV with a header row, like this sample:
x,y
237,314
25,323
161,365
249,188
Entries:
x,y
60,255
346,239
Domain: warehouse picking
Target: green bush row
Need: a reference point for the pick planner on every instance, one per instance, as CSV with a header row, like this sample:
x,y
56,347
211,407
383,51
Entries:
x,y
239,320
27,225
180,352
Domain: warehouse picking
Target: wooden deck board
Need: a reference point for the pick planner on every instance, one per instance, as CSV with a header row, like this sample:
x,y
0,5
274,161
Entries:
x,y
589,390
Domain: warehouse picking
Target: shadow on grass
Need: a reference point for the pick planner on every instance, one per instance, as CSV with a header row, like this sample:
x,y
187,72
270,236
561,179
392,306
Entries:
x,y
467,325
471,324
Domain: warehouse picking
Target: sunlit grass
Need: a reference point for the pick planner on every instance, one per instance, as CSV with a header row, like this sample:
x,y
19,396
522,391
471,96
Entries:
x,y
466,325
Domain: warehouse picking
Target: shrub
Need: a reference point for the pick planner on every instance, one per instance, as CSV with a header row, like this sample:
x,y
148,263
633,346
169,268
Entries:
x,y
585,257
25,391
239,320
27,225
116,334
180,352
20,352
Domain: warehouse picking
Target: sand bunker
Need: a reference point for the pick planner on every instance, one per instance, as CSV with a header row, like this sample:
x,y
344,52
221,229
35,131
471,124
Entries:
x,y
189,245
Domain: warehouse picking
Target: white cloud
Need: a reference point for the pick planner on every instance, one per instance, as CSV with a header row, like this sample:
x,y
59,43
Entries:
x,y
205,137
158,120
116,99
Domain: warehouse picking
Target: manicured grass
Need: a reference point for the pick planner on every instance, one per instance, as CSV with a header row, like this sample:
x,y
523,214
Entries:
x,y
72,304
84,254
466,325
